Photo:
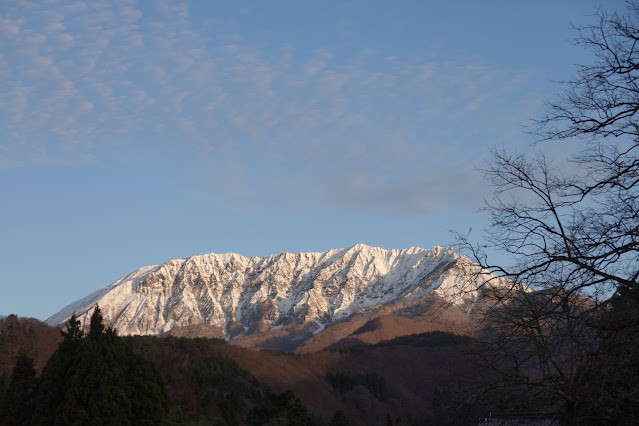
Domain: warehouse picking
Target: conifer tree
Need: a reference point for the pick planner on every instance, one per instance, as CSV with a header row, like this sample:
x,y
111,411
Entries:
x,y
339,419
3,384
389,420
97,324
284,408
73,332
99,380
17,404
53,381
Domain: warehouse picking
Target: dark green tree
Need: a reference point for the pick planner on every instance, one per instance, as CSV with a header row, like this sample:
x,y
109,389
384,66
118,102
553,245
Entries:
x,y
228,412
389,420
99,380
3,384
284,408
53,380
17,404
73,331
97,324
339,419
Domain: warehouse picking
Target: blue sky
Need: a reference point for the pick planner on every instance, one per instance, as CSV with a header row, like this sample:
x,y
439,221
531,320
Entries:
x,y
132,133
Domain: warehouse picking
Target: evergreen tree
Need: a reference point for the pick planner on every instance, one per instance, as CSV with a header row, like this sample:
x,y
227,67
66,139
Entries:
x,y
389,420
53,380
18,401
73,332
284,408
97,324
99,380
3,384
339,419
228,412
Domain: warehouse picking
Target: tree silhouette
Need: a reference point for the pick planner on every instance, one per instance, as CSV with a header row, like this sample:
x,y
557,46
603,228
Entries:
x,y
572,232
17,404
73,332
97,324
284,408
99,380
339,419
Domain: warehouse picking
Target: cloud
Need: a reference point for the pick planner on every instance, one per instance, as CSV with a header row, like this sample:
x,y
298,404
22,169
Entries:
x,y
9,28
18,102
421,193
65,41
318,63
75,7
357,132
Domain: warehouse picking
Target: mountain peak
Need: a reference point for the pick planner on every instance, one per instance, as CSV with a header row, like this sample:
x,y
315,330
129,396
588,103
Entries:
x,y
240,296
360,247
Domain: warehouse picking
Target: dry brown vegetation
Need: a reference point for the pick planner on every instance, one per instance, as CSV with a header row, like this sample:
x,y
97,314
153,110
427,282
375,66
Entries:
x,y
413,373
27,336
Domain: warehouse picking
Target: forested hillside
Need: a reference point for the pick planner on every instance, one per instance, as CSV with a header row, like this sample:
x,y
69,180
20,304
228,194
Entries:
x,y
152,380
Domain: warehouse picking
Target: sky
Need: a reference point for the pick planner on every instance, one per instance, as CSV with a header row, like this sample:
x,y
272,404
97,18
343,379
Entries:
x,y
135,132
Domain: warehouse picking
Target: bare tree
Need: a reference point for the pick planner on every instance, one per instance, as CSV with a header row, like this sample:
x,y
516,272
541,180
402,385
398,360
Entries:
x,y
582,227
572,233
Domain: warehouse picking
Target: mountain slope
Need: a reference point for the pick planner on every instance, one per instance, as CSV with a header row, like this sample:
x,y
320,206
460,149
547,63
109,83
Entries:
x,y
293,296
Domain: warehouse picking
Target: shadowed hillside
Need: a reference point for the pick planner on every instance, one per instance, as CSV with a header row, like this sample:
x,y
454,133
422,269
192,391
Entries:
x,y
412,378
407,378
30,336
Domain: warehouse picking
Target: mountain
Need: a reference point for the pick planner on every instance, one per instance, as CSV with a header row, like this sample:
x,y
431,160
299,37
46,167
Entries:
x,y
302,301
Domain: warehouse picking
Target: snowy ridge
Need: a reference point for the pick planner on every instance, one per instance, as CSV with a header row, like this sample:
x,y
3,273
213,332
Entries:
x,y
241,295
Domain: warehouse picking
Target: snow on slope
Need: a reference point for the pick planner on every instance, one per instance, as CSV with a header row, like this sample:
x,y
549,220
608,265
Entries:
x,y
235,293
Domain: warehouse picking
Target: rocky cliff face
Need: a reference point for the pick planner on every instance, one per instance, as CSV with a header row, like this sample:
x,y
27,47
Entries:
x,y
303,293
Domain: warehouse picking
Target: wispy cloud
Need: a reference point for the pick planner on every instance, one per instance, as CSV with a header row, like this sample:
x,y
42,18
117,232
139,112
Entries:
x,y
364,132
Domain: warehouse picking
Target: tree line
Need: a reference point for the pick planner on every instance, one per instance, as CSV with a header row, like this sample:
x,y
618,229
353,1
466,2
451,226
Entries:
x,y
100,378
91,379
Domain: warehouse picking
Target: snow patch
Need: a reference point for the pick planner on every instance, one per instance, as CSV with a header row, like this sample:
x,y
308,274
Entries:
x,y
310,288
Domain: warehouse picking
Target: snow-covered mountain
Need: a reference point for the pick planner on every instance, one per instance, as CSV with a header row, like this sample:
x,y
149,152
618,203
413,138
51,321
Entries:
x,y
238,296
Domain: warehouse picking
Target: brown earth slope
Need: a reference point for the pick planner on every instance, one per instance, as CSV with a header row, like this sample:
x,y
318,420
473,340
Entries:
x,y
413,373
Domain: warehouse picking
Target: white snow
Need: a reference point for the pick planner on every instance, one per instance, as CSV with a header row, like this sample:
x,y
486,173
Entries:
x,y
220,288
